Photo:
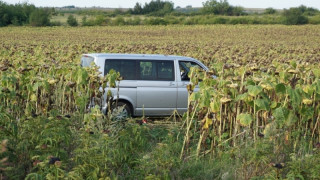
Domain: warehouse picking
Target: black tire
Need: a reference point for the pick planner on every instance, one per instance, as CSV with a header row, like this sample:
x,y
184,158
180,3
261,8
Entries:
x,y
126,113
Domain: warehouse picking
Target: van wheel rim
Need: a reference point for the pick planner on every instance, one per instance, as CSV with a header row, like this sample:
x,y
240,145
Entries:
x,y
120,114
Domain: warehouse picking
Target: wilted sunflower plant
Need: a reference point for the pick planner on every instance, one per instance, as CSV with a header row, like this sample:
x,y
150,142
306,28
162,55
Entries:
x,y
247,103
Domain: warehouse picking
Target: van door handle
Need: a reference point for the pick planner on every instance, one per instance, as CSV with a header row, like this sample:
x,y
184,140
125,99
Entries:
x,y
172,84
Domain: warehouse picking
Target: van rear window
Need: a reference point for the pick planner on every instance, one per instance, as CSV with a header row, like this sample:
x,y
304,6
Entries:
x,y
86,61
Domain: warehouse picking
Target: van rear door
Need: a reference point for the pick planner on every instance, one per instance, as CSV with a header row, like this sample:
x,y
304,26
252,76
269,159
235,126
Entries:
x,y
86,60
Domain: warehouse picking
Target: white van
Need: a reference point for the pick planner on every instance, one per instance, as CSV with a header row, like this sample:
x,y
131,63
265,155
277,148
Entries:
x,y
152,84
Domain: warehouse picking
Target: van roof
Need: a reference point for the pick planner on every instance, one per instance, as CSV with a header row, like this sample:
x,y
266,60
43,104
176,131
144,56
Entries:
x,y
138,56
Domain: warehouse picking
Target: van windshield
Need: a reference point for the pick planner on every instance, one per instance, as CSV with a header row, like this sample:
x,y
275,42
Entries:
x,y
86,61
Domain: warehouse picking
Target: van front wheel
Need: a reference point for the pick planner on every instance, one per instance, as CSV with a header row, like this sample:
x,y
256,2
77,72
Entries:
x,y
121,110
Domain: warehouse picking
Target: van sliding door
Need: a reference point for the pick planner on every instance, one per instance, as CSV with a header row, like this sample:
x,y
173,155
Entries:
x,y
157,89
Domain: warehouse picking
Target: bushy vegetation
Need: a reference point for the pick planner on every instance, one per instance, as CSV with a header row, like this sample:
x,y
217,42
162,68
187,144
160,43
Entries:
x,y
193,20
39,17
15,14
213,12
24,14
270,11
294,16
308,11
156,7
72,21
221,7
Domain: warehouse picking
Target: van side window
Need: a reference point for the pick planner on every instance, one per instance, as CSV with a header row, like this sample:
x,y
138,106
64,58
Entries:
x,y
184,67
156,70
165,70
146,70
127,68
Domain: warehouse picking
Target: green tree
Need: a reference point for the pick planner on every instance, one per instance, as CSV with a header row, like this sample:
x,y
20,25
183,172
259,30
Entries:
x,y
221,7
39,17
4,16
155,7
308,11
167,8
117,12
84,21
270,11
17,14
100,20
215,7
237,11
294,16
137,9
72,21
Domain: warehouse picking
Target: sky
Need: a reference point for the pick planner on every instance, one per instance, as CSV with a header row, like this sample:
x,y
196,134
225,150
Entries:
x,y
278,4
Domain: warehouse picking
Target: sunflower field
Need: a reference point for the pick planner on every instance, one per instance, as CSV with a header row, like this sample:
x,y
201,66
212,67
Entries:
x,y
259,119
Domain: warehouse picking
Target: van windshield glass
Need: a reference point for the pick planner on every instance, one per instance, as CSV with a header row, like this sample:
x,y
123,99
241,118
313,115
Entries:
x,y
185,67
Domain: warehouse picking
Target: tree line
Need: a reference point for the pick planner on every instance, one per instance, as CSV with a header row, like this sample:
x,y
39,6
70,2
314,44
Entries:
x,y
155,11
160,8
157,7
213,12
24,14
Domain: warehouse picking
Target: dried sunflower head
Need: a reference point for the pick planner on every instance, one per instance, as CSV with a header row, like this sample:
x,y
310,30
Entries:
x,y
225,100
307,101
52,81
233,85
266,86
293,71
